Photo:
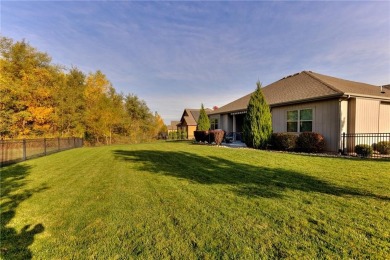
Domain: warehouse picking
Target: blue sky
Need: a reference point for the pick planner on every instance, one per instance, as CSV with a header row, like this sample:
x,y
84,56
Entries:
x,y
177,55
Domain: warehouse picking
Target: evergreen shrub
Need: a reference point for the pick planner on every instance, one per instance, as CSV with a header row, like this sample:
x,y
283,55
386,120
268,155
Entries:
x,y
203,120
257,126
383,147
363,150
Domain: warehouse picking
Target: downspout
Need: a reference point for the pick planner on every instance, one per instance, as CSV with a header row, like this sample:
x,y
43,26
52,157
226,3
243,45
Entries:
x,y
341,142
342,145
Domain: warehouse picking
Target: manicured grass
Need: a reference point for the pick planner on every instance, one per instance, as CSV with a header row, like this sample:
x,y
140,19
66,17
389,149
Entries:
x,y
178,200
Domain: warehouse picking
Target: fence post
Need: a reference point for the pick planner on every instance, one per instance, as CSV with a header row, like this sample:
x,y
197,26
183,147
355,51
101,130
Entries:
x,y
24,150
344,148
58,141
3,156
44,146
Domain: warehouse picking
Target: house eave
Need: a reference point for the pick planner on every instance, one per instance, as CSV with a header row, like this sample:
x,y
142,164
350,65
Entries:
x,y
332,96
313,99
366,96
229,112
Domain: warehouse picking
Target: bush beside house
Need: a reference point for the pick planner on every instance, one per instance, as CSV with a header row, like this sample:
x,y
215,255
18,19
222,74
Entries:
x,y
310,142
383,147
284,141
218,136
200,136
363,150
212,136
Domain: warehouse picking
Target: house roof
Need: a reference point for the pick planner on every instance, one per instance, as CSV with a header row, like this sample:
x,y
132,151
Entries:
x,y
353,88
306,86
173,125
190,116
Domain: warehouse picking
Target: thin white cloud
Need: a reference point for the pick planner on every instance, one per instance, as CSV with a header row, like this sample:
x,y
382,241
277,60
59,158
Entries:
x,y
193,52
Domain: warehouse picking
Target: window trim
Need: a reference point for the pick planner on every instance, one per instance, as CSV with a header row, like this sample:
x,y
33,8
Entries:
x,y
214,123
298,121
292,121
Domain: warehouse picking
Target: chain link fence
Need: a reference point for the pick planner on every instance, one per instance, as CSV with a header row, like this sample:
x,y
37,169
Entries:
x,y
12,151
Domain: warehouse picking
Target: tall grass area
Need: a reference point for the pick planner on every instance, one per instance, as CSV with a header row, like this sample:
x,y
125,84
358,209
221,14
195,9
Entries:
x,y
184,201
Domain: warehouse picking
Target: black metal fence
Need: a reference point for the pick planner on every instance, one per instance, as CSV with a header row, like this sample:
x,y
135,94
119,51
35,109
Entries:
x,y
366,145
22,149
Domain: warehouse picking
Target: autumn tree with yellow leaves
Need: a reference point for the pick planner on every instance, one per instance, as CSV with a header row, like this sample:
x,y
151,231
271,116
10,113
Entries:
x,y
39,99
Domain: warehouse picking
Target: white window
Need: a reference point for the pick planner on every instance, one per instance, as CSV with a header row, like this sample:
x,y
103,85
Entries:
x,y
300,120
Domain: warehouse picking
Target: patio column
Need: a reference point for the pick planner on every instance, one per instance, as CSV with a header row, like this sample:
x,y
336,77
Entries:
x,y
234,128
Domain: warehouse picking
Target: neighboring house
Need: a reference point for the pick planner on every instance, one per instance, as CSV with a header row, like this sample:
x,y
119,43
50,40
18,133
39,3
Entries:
x,y
308,101
189,121
173,126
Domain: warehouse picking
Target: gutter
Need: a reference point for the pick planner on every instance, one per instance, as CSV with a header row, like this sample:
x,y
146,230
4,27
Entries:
x,y
337,95
340,95
282,104
313,99
365,96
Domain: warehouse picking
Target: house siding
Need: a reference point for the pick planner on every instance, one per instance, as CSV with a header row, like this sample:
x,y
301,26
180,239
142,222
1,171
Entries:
x,y
325,120
223,123
226,123
190,131
384,117
369,116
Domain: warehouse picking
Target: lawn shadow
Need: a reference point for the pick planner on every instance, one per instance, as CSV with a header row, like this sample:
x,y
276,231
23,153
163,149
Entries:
x,y
15,245
244,179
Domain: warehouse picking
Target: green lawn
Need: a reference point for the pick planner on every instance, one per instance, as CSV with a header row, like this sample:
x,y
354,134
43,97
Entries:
x,y
179,200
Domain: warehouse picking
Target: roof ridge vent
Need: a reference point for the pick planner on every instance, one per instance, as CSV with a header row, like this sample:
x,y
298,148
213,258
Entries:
x,y
289,76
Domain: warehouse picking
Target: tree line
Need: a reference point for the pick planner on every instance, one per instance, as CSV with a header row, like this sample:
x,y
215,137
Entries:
x,y
42,99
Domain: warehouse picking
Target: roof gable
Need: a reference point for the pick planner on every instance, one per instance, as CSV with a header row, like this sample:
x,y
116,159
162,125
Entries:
x,y
190,116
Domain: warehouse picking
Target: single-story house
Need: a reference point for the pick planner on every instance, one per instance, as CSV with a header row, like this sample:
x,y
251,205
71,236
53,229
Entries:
x,y
309,101
189,121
